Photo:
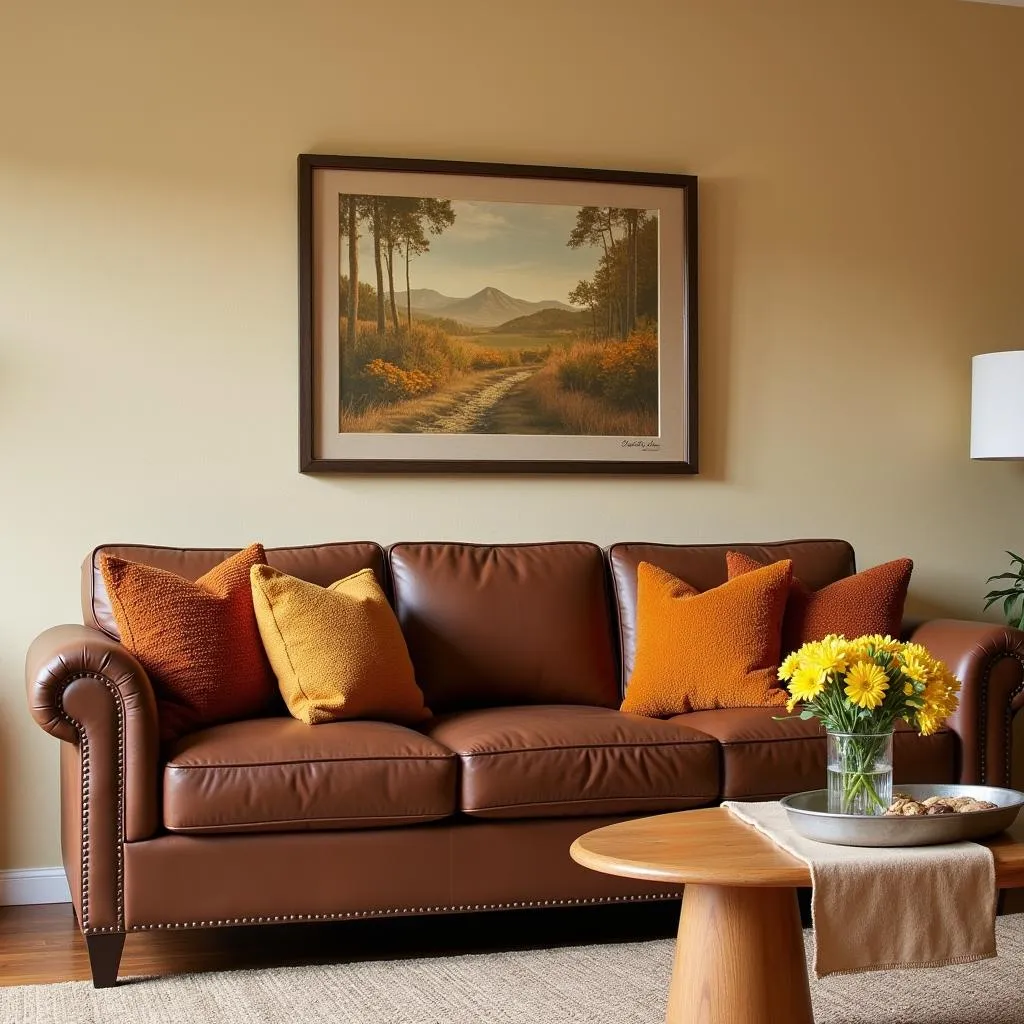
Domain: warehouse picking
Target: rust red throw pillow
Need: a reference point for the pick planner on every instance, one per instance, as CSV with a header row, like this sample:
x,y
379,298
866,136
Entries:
x,y
198,641
867,603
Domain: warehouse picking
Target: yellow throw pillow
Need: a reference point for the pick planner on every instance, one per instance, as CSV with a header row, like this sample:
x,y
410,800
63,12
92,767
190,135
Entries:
x,y
698,652
338,651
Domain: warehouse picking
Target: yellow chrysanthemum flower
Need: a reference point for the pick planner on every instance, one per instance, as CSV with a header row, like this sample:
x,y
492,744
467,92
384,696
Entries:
x,y
912,650
829,655
913,666
877,643
866,684
939,699
807,683
789,665
886,644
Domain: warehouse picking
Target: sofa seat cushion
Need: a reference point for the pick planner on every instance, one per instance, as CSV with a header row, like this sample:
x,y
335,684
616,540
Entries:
x,y
765,760
572,760
279,775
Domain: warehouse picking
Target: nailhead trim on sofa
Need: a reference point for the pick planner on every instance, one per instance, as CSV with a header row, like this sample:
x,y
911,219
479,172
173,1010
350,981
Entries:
x,y
1008,715
403,911
83,741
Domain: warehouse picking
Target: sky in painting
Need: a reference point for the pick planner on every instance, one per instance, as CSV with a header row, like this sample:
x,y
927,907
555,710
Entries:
x,y
518,248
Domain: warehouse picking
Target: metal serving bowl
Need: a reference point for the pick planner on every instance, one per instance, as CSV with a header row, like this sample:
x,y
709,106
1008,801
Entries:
x,y
809,815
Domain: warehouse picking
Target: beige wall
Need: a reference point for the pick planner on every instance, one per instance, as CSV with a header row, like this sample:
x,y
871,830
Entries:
x,y
862,219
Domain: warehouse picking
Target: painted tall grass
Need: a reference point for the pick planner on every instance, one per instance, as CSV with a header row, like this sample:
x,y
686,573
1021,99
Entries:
x,y
581,413
606,388
622,373
382,369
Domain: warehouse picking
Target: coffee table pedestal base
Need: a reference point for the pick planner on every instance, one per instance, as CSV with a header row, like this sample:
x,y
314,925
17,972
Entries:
x,y
739,958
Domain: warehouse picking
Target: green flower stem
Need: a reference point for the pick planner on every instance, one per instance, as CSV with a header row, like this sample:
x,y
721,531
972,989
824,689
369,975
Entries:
x,y
852,788
860,754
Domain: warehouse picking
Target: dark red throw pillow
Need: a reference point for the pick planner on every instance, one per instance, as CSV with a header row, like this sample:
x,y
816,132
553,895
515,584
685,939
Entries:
x,y
199,642
870,602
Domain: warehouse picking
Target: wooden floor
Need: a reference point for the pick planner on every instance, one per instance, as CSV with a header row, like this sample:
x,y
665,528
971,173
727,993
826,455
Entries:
x,y
42,944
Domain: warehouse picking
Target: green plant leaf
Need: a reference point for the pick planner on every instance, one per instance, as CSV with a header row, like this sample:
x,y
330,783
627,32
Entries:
x,y
805,714
1012,597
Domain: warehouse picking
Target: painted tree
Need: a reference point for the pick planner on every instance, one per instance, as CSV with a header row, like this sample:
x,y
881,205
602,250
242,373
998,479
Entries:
x,y
422,218
585,294
348,229
630,221
595,226
647,270
375,203
617,283
396,215
390,240
401,226
367,298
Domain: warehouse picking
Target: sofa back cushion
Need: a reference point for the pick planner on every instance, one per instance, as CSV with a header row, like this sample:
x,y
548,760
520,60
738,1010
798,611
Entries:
x,y
317,563
703,566
506,624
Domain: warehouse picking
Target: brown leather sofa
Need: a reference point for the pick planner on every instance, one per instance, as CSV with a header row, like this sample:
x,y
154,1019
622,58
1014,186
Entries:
x,y
521,651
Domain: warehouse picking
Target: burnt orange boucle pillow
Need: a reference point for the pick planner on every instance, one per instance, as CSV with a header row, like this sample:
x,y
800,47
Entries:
x,y
861,605
198,641
698,652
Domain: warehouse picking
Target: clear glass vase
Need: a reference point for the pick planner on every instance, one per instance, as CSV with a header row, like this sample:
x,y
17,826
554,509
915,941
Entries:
x,y
859,772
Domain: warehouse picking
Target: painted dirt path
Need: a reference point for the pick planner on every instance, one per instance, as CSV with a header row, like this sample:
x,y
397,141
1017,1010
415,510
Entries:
x,y
474,409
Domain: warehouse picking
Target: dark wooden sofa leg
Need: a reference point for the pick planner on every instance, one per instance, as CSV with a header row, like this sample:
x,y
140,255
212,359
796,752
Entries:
x,y
104,957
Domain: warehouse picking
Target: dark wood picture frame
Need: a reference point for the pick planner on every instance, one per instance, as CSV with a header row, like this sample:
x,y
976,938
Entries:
x,y
683,460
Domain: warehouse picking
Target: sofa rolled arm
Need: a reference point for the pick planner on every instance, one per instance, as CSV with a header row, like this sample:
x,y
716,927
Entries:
x,y
91,693
989,661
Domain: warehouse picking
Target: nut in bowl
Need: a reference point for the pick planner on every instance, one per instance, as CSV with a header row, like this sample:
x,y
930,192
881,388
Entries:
x,y
915,825
906,806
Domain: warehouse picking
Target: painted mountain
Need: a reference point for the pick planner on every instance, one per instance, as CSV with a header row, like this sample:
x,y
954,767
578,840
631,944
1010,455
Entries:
x,y
546,321
489,307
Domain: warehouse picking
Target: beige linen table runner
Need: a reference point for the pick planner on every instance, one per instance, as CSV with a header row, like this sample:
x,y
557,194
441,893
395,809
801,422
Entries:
x,y
876,909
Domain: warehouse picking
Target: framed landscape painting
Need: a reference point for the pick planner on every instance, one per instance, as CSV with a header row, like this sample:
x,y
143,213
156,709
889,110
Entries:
x,y
493,317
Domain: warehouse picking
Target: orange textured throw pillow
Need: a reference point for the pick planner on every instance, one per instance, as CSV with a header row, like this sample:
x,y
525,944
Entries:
x,y
198,641
698,652
861,605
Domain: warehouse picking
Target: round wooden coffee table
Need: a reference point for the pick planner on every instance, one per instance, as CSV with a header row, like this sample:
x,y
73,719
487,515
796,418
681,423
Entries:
x,y
739,953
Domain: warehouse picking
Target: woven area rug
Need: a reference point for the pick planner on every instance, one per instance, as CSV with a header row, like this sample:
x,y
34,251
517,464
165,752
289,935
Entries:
x,y
623,983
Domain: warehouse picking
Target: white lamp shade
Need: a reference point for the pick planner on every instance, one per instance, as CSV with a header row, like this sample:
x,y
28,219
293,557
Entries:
x,y
997,406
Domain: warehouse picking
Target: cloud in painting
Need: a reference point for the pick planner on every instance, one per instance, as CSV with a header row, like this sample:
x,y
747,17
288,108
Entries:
x,y
478,222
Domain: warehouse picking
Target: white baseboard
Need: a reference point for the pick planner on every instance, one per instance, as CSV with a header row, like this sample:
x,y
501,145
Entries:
x,y
33,885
